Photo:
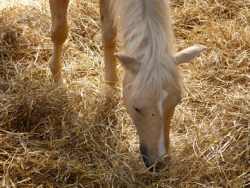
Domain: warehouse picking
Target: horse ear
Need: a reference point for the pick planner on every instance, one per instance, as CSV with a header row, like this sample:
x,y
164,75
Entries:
x,y
128,62
188,54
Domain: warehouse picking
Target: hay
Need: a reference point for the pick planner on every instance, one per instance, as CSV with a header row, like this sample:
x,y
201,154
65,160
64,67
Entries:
x,y
69,136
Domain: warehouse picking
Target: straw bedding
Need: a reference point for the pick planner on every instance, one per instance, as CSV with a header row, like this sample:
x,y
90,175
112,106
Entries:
x,y
71,137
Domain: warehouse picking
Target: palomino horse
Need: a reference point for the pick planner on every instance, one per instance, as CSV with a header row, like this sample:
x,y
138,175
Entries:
x,y
151,86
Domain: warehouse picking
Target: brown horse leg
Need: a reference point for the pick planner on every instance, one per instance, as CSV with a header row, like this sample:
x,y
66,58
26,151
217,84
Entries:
x,y
109,35
59,34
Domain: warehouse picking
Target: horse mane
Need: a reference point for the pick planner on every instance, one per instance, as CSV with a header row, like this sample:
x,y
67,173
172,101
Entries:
x,y
145,33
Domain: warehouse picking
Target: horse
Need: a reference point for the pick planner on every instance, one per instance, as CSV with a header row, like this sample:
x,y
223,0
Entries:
x,y
152,86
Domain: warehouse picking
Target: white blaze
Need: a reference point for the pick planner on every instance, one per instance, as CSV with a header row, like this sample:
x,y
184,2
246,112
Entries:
x,y
162,149
164,95
161,146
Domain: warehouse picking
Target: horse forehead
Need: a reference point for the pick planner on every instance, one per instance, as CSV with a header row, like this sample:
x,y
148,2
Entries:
x,y
150,99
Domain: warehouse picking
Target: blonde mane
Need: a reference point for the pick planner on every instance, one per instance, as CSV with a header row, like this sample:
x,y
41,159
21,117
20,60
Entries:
x,y
145,33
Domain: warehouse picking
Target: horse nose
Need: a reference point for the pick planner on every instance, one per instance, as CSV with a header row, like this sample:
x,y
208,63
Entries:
x,y
151,164
145,156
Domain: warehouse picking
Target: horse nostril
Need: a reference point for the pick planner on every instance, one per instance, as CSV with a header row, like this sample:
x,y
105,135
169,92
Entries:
x,y
146,161
143,150
145,156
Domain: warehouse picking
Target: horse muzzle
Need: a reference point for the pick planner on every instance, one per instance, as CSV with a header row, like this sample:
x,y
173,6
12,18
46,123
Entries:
x,y
149,162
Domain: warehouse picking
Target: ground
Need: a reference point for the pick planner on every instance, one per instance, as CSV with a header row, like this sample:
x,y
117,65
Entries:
x,y
70,137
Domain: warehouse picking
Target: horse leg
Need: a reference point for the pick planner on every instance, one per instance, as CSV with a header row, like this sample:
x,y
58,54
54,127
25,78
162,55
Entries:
x,y
59,35
108,36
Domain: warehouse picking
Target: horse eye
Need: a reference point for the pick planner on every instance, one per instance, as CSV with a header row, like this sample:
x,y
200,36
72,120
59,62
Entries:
x,y
137,109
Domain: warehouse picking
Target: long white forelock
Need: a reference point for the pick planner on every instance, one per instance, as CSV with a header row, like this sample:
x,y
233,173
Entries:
x,y
145,33
144,28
